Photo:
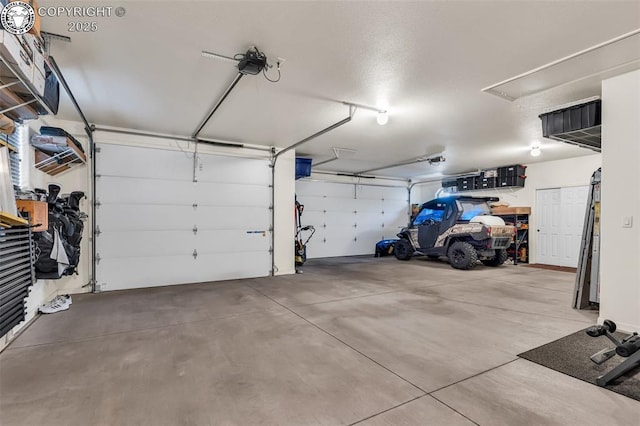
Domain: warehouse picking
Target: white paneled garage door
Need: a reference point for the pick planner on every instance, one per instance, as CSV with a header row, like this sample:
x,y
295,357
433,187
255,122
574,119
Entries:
x,y
156,227
350,219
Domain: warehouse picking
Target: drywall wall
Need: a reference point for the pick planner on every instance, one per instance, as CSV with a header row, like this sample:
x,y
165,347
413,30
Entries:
x,y
284,226
425,191
77,179
620,245
543,175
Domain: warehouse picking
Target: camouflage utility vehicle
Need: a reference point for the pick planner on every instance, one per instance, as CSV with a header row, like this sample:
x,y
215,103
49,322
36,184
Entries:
x,y
459,227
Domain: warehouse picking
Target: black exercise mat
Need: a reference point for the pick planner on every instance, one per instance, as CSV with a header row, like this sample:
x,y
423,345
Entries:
x,y
571,355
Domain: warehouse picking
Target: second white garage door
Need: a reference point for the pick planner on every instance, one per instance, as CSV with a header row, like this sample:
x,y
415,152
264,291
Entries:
x,y
350,219
156,227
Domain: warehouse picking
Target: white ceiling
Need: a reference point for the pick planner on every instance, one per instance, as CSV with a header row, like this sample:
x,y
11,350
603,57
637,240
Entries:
x,y
425,61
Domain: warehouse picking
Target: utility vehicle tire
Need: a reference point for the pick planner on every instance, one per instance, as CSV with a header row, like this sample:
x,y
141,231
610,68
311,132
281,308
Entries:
x,y
462,255
403,250
498,259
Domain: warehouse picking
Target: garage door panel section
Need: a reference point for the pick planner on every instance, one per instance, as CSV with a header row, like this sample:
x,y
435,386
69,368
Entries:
x,y
233,170
142,191
324,189
232,241
214,194
349,218
143,217
331,243
151,272
158,227
143,272
150,163
244,218
146,243
390,194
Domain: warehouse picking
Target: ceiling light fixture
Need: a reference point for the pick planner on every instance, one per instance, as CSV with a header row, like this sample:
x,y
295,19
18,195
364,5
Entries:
x,y
383,116
535,151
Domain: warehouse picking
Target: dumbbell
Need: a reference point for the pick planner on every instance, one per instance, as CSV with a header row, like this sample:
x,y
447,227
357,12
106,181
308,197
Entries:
x,y
601,330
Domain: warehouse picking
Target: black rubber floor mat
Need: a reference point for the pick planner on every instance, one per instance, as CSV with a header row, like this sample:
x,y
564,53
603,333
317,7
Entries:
x,y
571,355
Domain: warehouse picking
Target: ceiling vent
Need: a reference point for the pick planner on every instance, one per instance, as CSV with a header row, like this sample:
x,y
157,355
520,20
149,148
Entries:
x,y
578,124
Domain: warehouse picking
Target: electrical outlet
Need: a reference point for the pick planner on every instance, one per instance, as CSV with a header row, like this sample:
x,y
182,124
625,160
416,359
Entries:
x,y
627,222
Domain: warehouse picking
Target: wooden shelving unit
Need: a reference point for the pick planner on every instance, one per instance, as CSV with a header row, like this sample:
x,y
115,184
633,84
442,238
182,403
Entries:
x,y
18,97
518,217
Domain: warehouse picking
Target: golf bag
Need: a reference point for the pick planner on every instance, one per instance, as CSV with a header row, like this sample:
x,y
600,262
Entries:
x,y
66,224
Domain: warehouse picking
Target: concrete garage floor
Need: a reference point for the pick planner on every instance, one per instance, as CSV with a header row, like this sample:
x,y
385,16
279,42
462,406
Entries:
x,y
352,340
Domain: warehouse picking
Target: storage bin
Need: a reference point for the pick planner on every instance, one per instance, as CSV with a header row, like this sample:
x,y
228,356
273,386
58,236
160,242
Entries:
x,y
467,183
486,182
573,118
449,183
303,167
511,181
509,171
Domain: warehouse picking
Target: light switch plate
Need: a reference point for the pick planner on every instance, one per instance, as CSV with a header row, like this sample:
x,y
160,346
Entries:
x,y
627,222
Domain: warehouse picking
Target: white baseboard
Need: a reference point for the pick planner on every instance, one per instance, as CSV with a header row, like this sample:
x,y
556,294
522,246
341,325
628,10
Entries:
x,y
622,326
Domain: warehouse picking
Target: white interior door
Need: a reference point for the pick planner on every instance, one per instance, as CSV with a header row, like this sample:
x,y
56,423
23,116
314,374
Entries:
x,y
350,219
159,228
548,226
560,219
574,206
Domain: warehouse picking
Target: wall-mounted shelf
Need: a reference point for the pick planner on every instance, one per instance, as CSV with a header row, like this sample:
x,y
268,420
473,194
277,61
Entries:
x,y
61,162
57,151
508,177
18,96
13,106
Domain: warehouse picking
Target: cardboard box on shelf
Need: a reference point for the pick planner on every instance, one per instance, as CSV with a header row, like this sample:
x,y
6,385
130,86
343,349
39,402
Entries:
x,y
38,213
37,49
13,52
38,82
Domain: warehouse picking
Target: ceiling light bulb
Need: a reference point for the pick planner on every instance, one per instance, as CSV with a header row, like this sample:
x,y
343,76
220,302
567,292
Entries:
x,y
535,151
383,118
